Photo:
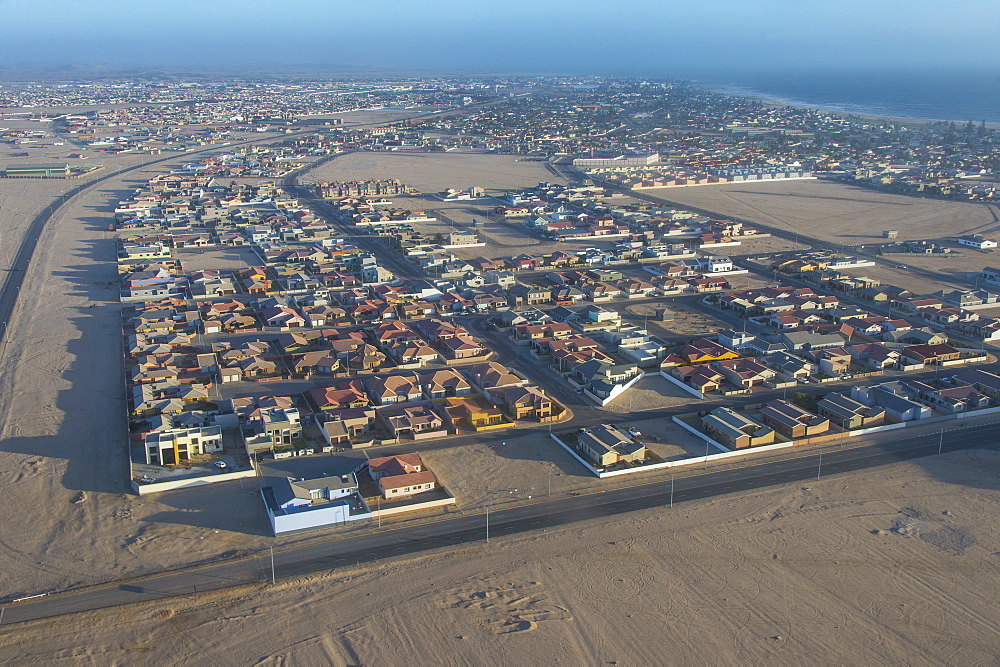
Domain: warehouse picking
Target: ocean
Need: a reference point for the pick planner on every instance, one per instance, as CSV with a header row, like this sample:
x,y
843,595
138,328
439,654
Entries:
x,y
960,95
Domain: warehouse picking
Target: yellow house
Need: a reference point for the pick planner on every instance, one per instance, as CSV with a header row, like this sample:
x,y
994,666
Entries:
x,y
468,413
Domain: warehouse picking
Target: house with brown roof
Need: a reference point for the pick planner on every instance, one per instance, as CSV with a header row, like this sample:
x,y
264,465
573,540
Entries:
x,y
343,394
984,381
392,332
398,464
282,318
462,347
413,352
322,362
400,388
365,358
341,426
932,354
744,372
444,383
399,486
875,355
701,377
525,402
492,374
554,330
418,421
834,361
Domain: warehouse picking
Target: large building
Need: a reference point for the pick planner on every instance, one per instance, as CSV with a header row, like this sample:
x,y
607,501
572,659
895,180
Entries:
x,y
37,170
620,161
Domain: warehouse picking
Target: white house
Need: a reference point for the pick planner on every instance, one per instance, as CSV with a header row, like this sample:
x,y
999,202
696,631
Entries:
x,y
174,445
977,241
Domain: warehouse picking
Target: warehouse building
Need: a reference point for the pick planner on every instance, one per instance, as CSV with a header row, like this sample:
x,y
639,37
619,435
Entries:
x,y
60,170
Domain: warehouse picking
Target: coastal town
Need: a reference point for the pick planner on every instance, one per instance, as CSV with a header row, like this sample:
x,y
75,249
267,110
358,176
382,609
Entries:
x,y
338,305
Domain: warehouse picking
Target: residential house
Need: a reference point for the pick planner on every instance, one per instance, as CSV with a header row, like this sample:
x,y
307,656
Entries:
x,y
894,398
473,414
744,372
931,354
701,377
984,381
400,486
833,361
492,374
607,445
343,394
342,426
703,350
735,430
848,413
524,402
951,400
398,388
172,446
792,421
795,341
445,383
875,355
417,421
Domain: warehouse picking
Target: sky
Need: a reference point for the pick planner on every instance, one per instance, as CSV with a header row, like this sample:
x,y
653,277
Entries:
x,y
651,38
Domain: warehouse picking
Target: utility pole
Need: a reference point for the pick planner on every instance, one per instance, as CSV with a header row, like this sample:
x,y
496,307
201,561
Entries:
x,y
671,489
272,566
819,468
941,442
487,523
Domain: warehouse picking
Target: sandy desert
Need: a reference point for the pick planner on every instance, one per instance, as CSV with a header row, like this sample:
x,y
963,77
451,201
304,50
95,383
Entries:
x,y
892,565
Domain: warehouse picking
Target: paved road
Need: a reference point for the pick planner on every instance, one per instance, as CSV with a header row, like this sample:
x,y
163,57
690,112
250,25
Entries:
x,y
467,528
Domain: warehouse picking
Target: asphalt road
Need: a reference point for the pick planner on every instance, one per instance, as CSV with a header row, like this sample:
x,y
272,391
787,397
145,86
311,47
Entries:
x,y
458,528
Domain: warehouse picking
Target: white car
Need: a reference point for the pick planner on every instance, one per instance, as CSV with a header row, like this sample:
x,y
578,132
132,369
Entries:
x,y
220,464
634,432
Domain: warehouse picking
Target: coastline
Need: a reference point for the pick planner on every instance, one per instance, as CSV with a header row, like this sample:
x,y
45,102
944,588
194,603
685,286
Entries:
x,y
798,104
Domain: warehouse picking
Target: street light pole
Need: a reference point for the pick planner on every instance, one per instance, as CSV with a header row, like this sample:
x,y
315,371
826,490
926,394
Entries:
x,y
487,524
272,565
941,442
671,489
819,468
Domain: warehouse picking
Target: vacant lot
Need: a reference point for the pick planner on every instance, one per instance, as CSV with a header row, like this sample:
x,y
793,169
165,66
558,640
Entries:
x,y
839,213
434,172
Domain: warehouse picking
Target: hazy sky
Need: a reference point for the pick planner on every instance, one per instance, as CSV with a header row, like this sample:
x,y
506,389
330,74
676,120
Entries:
x,y
659,38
